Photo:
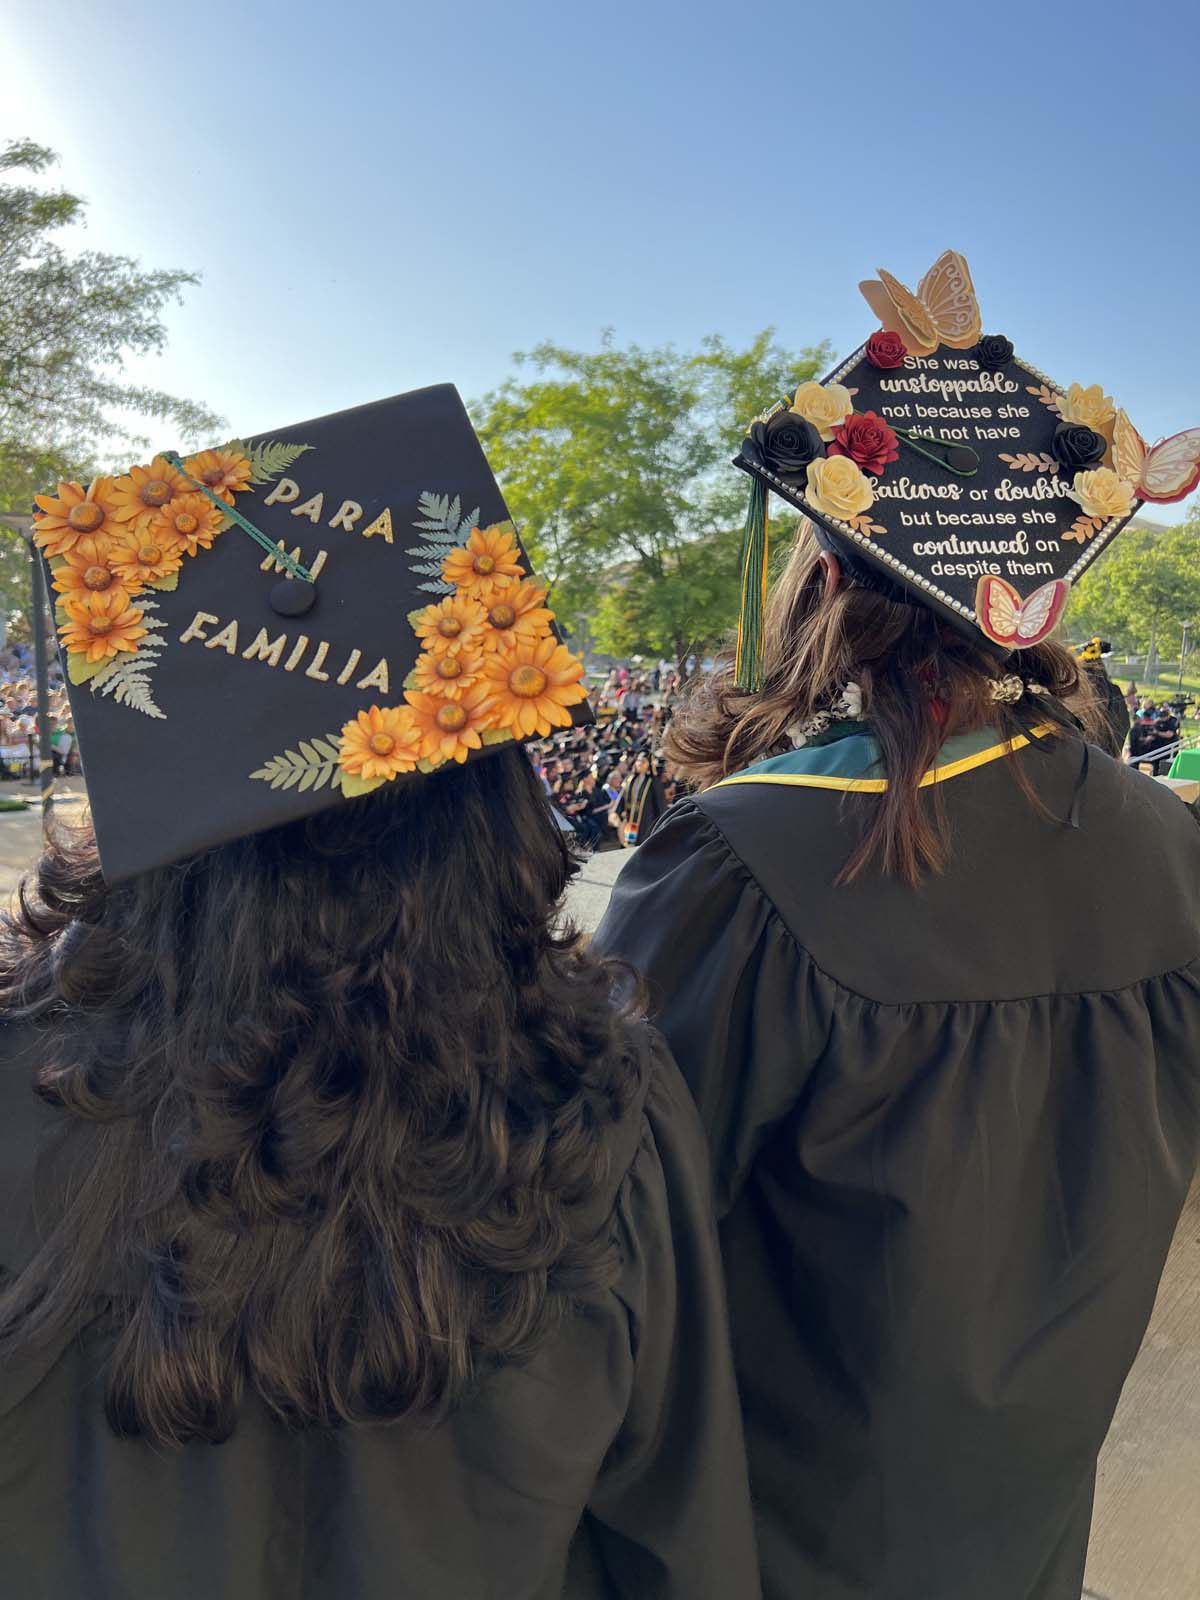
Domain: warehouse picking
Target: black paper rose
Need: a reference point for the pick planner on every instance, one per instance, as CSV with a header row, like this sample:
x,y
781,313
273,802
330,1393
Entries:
x,y
784,444
993,351
1076,446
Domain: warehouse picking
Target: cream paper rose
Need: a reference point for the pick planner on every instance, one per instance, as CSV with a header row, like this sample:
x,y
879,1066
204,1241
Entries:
x,y
837,487
1089,408
824,405
1102,494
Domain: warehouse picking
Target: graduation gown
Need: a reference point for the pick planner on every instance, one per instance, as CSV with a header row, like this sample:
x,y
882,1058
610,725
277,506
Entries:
x,y
953,1129
610,1465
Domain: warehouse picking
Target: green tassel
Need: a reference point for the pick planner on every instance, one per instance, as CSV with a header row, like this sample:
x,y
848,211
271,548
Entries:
x,y
748,662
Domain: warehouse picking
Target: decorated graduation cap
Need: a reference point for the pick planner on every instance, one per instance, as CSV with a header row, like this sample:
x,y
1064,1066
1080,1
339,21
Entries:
x,y
942,467
256,632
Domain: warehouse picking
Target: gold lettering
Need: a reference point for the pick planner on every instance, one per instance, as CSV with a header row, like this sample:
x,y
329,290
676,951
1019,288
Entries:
x,y
346,515
285,491
300,647
272,565
311,508
344,675
262,649
382,524
377,678
225,640
195,628
322,558
313,669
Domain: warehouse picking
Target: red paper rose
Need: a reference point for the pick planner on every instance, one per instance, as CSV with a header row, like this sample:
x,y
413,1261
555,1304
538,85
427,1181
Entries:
x,y
867,440
886,350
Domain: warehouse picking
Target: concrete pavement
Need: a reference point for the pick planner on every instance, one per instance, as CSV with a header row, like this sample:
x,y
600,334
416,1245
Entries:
x,y
1146,1531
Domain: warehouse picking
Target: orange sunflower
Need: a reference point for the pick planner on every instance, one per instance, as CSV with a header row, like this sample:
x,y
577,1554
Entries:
x,y
226,472
144,491
190,521
89,569
102,625
145,555
516,614
381,742
62,519
532,686
447,674
450,729
489,557
457,624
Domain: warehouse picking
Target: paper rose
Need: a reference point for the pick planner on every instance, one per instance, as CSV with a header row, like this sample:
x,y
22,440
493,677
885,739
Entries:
x,y
867,440
993,352
1090,408
1102,494
824,405
886,350
1076,446
784,444
837,487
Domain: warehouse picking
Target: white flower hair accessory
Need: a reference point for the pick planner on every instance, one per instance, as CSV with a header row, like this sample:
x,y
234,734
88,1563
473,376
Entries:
x,y
847,706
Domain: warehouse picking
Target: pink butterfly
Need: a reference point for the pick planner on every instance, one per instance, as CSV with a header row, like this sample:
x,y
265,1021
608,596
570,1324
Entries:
x,y
1163,472
1014,622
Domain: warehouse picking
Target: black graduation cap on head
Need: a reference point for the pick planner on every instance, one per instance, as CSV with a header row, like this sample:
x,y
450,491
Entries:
x,y
942,467
256,632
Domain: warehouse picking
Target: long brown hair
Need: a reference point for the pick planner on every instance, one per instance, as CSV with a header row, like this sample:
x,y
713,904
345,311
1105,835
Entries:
x,y
906,662
345,1096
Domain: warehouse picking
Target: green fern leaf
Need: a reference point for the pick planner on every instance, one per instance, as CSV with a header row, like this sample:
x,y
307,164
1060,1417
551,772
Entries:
x,y
267,461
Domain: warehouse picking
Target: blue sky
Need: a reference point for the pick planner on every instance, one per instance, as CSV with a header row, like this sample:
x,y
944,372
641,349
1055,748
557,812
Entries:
x,y
382,196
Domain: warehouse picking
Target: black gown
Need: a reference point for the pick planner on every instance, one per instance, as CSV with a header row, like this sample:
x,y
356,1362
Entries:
x,y
611,1465
953,1130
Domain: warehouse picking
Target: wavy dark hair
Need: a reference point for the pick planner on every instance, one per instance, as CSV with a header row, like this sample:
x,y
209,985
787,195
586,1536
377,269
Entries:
x,y
346,1095
907,662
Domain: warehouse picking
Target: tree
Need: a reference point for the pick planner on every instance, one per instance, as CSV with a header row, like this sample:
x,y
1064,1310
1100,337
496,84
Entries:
x,y
1144,589
615,463
66,324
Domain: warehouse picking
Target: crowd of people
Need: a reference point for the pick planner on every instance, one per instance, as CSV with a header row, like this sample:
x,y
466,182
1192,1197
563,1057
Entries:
x,y
1153,727
18,716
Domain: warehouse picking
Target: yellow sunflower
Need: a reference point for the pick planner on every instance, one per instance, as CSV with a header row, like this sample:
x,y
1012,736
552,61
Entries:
x,y
191,521
89,569
489,556
447,674
532,686
144,491
457,624
516,614
145,555
225,472
62,519
450,729
102,625
381,742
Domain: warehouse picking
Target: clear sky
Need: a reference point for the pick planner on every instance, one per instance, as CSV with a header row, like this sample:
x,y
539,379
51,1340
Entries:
x,y
380,196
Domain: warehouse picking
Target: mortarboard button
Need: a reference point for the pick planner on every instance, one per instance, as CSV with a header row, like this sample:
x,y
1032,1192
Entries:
x,y
292,597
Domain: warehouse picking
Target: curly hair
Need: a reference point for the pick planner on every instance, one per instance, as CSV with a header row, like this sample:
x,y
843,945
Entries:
x,y
346,1095
907,662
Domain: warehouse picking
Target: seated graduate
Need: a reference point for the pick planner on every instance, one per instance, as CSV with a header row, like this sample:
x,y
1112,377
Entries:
x,y
930,962
319,1140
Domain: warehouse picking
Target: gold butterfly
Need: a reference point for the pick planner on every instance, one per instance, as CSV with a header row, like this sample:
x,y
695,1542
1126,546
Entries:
x,y
1164,472
944,309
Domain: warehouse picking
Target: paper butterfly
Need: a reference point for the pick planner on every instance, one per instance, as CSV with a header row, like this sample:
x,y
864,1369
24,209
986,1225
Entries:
x,y
1163,473
1014,622
944,309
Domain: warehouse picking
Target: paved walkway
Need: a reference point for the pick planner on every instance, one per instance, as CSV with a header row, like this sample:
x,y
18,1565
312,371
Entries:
x,y
1146,1532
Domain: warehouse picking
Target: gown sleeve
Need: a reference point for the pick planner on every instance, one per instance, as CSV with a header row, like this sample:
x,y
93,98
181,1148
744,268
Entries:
x,y
745,1012
669,1517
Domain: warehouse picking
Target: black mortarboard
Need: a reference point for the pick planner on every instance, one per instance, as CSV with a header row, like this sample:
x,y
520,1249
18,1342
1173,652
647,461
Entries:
x,y
259,631
944,468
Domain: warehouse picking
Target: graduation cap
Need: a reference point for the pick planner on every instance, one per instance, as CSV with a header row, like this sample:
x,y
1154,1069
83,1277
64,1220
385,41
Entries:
x,y
259,631
942,467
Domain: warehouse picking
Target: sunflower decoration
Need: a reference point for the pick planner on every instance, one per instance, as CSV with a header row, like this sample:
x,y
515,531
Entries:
x,y
146,556
225,473
190,521
532,687
143,492
380,743
517,614
489,560
61,520
88,569
450,729
446,674
458,625
102,625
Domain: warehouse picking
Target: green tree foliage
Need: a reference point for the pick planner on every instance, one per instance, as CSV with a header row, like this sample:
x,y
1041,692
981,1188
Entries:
x,y
615,464
1141,592
67,321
